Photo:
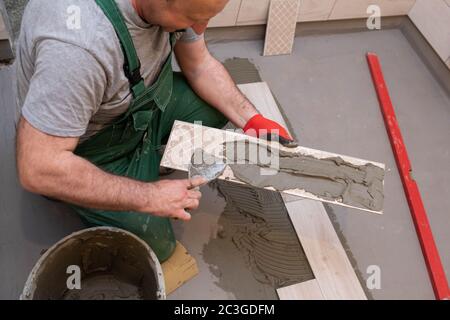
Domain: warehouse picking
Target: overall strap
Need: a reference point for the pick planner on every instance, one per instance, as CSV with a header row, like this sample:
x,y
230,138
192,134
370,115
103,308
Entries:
x,y
132,66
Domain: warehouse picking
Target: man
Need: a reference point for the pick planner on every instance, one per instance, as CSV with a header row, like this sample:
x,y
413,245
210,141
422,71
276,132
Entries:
x,y
99,98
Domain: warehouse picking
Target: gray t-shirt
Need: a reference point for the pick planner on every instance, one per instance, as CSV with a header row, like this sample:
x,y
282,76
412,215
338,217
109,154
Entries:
x,y
70,79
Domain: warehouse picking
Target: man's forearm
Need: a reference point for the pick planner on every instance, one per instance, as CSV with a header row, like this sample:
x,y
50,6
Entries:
x,y
213,83
77,181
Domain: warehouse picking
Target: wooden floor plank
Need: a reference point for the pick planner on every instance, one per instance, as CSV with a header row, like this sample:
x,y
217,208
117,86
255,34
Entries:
x,y
260,95
327,258
308,290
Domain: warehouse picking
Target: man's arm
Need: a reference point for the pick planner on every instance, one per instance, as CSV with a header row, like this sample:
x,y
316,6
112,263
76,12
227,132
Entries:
x,y
47,165
212,82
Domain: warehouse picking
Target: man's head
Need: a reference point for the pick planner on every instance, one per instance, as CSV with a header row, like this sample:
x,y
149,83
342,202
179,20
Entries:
x,y
180,14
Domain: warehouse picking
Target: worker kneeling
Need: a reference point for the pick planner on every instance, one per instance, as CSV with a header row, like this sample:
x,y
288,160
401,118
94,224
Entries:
x,y
98,102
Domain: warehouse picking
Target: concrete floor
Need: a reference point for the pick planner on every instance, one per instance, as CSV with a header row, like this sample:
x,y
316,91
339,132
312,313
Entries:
x,y
327,95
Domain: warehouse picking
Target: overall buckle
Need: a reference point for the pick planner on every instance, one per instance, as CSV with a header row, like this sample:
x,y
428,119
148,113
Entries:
x,y
133,77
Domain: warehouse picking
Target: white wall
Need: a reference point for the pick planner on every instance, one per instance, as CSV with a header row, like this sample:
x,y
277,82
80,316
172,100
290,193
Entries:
x,y
432,18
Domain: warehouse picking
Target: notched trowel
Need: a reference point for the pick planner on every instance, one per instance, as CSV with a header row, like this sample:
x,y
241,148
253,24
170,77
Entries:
x,y
205,165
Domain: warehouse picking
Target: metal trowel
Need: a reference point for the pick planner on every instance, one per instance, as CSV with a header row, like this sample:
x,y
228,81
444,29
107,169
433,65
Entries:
x,y
205,165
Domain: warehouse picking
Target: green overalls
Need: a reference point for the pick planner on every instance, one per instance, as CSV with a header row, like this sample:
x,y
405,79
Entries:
x,y
129,147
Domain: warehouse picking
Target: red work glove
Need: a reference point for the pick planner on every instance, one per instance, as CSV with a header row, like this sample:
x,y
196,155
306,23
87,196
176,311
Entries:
x,y
270,130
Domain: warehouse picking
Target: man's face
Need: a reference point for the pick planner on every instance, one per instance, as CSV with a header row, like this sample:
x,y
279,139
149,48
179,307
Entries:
x,y
195,14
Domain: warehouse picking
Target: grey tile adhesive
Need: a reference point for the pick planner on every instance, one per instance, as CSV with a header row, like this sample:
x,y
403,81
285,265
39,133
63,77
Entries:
x,y
258,225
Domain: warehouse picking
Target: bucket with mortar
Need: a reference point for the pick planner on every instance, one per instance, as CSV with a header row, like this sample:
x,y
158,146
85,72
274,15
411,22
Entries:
x,y
97,263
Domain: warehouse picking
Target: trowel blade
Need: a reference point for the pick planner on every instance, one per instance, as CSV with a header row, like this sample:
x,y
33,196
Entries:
x,y
205,165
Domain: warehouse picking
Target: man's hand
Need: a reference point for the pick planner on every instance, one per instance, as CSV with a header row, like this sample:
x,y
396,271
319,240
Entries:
x,y
264,128
171,198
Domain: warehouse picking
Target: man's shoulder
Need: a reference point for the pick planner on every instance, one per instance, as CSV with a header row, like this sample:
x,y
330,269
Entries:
x,y
78,22
60,10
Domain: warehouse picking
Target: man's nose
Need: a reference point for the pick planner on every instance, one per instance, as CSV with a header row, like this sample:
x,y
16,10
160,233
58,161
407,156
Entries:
x,y
200,28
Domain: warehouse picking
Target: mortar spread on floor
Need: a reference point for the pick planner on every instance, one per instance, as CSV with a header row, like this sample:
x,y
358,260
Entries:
x,y
257,223
242,71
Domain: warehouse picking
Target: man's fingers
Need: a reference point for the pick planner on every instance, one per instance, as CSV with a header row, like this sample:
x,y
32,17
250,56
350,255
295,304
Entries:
x,y
182,215
286,142
197,182
192,204
194,194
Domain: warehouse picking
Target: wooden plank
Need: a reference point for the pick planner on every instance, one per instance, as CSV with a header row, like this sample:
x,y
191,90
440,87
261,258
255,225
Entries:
x,y
280,32
333,271
308,290
259,94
